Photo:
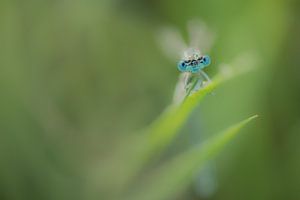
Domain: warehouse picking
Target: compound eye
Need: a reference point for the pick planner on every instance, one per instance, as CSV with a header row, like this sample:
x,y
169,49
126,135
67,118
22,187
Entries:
x,y
206,60
182,66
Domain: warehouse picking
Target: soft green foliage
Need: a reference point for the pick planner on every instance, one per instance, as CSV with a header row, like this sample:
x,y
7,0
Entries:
x,y
164,129
170,179
162,132
78,79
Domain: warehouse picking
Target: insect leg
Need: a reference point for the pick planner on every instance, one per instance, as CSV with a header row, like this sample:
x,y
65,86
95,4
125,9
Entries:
x,y
205,76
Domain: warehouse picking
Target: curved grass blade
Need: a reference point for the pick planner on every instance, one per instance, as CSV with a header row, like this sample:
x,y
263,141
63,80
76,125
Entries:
x,y
158,136
164,129
174,176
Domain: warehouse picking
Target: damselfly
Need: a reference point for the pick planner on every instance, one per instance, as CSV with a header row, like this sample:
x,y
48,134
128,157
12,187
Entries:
x,y
192,62
192,78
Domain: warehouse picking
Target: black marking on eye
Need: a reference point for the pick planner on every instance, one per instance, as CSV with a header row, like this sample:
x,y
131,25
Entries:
x,y
201,59
194,62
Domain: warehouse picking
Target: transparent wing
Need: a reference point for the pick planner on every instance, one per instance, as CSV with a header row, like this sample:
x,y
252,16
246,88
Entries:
x,y
171,42
200,36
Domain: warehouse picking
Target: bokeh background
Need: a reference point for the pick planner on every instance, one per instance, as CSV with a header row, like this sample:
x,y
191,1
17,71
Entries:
x,y
79,77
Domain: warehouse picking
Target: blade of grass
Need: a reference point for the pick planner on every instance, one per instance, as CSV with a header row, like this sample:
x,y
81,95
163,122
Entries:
x,y
174,176
164,129
152,141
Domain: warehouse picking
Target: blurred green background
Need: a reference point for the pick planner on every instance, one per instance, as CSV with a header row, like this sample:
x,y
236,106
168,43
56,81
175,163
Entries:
x,y
79,77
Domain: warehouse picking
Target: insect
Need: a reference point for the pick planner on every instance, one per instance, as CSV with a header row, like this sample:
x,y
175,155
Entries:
x,y
191,79
193,61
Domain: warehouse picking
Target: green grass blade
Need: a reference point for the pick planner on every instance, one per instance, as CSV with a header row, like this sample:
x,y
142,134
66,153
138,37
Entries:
x,y
174,176
164,129
154,139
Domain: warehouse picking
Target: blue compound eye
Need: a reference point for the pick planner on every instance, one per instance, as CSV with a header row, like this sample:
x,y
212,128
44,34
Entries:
x,y
206,60
182,66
